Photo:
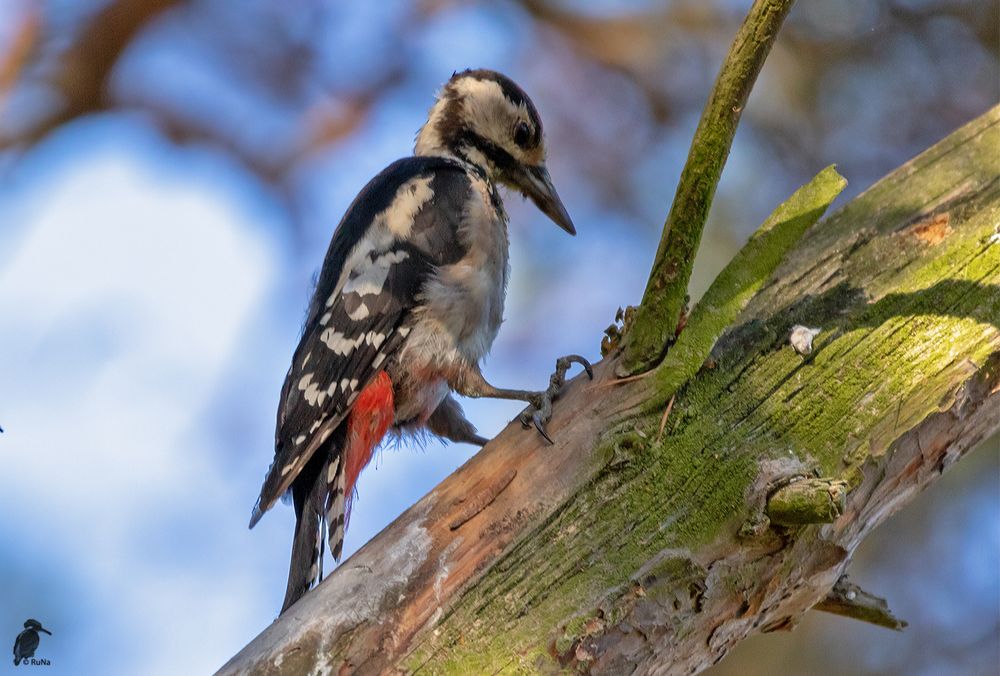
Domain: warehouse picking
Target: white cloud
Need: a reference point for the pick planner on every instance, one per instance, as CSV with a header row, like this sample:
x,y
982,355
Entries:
x,y
121,304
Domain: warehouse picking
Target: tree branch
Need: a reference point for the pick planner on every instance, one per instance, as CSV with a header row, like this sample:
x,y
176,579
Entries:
x,y
614,550
84,70
656,318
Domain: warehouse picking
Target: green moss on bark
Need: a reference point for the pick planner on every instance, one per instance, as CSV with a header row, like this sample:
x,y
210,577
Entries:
x,y
808,501
896,339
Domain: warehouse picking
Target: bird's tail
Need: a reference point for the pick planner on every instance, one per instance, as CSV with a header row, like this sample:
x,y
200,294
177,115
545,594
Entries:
x,y
324,509
322,492
336,507
308,493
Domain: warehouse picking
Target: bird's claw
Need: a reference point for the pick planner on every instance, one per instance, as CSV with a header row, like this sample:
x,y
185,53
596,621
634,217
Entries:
x,y
539,423
540,408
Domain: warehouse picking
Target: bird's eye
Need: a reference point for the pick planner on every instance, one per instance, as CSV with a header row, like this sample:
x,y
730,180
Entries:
x,y
522,134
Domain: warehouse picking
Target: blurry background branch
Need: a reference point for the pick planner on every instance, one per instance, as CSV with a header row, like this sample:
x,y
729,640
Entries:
x,y
81,72
59,68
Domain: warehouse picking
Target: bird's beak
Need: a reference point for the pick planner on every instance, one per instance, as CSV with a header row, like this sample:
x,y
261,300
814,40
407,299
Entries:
x,y
45,630
536,183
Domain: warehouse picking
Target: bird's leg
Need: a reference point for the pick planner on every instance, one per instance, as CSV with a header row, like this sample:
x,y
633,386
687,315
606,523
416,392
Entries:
x,y
473,384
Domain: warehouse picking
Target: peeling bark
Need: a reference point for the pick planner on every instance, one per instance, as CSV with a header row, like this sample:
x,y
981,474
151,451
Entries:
x,y
617,549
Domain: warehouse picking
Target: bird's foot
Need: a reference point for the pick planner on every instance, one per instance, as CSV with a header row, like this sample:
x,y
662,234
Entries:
x,y
540,406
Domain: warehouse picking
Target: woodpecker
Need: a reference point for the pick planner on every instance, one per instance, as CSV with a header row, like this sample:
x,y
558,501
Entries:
x,y
407,304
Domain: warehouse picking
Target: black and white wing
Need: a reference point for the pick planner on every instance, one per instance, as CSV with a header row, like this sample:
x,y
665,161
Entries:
x,y
401,226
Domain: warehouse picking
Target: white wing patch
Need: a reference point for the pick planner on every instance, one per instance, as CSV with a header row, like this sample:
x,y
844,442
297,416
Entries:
x,y
373,276
313,396
339,343
410,198
312,393
360,313
389,225
369,282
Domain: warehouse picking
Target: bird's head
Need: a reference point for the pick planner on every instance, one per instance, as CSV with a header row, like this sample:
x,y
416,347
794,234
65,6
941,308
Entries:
x,y
36,625
484,118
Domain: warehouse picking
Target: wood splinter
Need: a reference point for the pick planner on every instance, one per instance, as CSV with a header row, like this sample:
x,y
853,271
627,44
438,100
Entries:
x,y
850,600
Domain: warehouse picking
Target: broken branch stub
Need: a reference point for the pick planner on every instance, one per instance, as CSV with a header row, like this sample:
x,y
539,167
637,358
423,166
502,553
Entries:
x,y
808,501
849,600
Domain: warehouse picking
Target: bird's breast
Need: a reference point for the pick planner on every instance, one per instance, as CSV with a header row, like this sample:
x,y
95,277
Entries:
x,y
462,302
460,310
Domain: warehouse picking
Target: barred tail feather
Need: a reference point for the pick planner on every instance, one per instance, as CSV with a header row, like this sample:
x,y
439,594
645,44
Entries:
x,y
336,517
304,569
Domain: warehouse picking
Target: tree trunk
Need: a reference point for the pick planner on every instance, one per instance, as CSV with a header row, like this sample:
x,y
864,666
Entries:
x,y
625,547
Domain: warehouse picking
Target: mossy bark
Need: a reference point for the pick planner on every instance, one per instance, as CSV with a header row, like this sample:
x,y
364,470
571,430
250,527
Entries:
x,y
619,547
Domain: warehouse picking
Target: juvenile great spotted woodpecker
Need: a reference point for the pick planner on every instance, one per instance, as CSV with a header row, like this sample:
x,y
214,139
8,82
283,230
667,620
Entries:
x,y
408,302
